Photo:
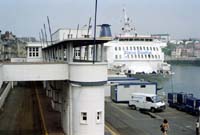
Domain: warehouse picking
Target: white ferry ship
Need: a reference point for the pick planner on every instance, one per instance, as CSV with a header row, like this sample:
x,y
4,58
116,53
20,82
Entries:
x,y
133,53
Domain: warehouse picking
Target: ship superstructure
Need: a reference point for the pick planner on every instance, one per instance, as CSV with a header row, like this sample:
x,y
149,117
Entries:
x,y
133,53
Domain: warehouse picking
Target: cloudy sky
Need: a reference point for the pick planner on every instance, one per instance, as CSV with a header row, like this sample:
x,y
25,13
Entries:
x,y
179,18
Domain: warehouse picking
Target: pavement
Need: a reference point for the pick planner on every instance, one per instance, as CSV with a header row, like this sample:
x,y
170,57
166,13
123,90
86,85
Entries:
x,y
19,114
133,122
51,119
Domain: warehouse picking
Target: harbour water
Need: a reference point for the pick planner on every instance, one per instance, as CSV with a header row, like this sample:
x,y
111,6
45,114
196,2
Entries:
x,y
186,79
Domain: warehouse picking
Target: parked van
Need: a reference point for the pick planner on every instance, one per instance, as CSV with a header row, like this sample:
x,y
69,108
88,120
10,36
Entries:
x,y
144,101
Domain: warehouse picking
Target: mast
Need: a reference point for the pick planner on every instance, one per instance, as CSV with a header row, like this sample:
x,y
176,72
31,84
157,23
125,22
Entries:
x,y
126,29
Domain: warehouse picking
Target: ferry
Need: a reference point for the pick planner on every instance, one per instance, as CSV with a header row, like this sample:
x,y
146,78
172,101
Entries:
x,y
135,54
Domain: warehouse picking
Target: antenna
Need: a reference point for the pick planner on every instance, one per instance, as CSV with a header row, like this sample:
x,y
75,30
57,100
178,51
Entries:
x,y
95,25
42,36
77,31
69,34
45,34
89,26
49,30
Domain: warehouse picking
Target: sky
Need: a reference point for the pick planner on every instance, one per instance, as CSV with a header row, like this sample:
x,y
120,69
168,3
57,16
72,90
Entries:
x,y
179,18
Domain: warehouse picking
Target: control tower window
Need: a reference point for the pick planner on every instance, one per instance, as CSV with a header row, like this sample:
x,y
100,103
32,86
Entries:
x,y
99,117
84,118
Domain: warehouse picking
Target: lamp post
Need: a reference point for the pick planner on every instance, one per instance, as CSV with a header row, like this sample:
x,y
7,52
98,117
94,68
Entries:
x,y
95,24
198,120
197,123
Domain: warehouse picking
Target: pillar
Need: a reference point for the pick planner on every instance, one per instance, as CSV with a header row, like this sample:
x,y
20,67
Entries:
x,y
88,110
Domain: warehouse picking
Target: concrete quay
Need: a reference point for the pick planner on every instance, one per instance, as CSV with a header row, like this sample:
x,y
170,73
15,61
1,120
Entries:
x,y
133,122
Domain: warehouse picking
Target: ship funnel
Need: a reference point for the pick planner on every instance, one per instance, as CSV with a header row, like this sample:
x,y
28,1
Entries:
x,y
105,30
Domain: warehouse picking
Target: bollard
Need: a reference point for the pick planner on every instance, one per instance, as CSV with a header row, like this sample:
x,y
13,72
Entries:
x,y
197,127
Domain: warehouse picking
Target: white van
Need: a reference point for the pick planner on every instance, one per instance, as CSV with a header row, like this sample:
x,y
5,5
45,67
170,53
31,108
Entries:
x,y
144,101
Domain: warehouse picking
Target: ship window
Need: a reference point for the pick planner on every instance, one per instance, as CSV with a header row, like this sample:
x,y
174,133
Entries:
x,y
131,55
142,39
142,86
149,56
142,56
143,48
154,48
115,48
131,39
33,54
33,49
145,56
37,54
135,56
30,54
156,56
30,49
159,56
131,48
137,48
152,56
123,48
140,48
127,48
157,48
128,56
147,48
134,48
116,56
120,56
138,56
37,49
120,48
83,119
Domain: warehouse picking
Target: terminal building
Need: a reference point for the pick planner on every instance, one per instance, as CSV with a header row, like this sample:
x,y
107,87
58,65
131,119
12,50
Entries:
x,y
74,84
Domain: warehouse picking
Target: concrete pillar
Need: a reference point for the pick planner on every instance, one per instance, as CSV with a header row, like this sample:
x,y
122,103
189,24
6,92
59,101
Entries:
x,y
12,85
102,53
70,53
90,52
62,53
44,84
65,117
81,51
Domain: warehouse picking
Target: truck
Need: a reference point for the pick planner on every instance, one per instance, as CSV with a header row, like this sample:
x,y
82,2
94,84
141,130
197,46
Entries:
x,y
143,101
178,100
192,105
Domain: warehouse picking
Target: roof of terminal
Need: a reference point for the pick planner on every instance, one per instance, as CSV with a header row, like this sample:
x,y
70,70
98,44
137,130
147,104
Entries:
x,y
80,42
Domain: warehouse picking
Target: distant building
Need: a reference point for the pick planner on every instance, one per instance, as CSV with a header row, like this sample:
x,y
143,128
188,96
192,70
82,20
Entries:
x,y
161,37
28,39
176,53
34,52
11,47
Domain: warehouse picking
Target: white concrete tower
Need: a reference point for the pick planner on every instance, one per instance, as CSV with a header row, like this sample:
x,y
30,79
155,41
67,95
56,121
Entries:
x,y
82,102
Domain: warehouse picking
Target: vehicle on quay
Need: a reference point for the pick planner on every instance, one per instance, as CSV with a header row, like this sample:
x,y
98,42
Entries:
x,y
144,101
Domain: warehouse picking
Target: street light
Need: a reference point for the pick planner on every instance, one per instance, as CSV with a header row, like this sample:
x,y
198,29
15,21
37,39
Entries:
x,y
198,119
95,24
